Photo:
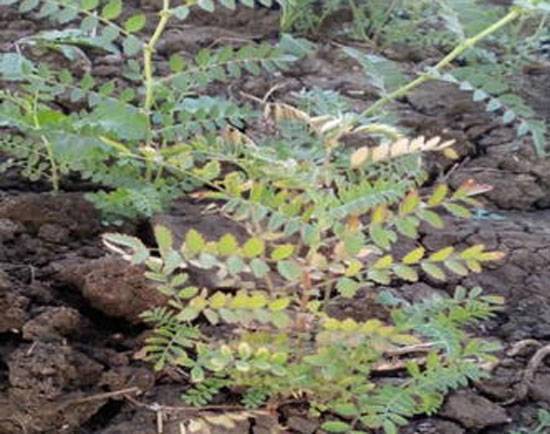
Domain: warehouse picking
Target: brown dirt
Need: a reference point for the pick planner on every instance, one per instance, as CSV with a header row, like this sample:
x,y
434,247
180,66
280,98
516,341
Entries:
x,y
69,327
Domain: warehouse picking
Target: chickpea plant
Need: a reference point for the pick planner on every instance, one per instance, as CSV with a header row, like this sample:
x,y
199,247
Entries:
x,y
321,218
319,233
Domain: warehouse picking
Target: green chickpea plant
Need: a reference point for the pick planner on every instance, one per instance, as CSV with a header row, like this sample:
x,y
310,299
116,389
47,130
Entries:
x,y
318,234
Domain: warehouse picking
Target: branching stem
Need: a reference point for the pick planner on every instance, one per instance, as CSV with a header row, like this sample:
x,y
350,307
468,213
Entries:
x,y
148,50
458,50
54,173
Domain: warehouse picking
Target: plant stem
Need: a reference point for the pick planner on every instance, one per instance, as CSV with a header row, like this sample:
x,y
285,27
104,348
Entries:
x,y
54,175
457,51
148,50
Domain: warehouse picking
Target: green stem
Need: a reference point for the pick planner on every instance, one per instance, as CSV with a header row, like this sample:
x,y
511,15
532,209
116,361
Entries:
x,y
148,51
54,175
458,50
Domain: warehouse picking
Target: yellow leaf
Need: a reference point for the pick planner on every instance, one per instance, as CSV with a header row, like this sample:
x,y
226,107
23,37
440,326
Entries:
x,y
442,254
217,301
244,350
254,247
227,245
279,304
438,195
379,214
349,325
282,252
196,425
386,331
194,241
446,144
450,153
383,263
354,268
371,326
234,136
414,256
472,252
221,420
474,266
410,203
257,300
284,112
198,303
331,324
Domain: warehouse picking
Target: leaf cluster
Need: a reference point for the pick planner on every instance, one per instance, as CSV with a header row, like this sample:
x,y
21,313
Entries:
x,y
122,128
310,242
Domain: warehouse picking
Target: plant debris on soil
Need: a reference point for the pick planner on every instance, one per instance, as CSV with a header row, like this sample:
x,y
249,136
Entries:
x,y
70,332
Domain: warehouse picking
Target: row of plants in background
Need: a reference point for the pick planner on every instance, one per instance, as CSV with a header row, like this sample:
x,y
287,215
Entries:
x,y
489,70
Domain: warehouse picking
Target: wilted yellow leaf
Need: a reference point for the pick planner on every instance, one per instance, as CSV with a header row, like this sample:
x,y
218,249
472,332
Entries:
x,y
450,153
414,256
410,203
438,195
379,214
442,254
383,263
